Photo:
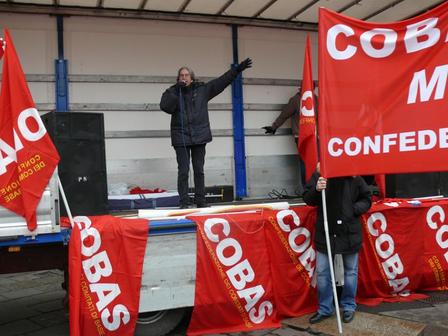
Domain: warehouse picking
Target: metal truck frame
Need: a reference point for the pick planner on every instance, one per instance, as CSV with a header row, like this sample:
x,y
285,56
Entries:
x,y
169,268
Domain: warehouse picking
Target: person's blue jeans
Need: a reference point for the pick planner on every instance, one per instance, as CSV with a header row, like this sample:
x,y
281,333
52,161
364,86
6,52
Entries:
x,y
325,290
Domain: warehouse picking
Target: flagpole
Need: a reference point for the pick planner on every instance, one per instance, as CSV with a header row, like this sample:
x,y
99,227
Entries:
x,y
69,213
330,261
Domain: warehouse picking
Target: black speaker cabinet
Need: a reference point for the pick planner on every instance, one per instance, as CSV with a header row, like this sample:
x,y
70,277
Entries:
x,y
79,138
417,184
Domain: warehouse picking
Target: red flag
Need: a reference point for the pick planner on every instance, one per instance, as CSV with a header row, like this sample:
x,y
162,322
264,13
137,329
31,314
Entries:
x,y
382,94
106,257
27,156
380,180
402,251
234,287
293,259
307,144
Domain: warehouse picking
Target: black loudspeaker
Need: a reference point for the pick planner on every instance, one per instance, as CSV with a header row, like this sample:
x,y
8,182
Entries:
x,y
417,184
79,139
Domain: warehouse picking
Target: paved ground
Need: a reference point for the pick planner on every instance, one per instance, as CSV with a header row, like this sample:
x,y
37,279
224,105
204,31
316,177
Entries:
x,y
31,304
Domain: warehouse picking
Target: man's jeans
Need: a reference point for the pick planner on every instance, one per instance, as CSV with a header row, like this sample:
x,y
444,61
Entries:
x,y
325,290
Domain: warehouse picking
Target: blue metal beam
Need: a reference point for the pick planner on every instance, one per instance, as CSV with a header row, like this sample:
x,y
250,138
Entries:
x,y
45,238
239,149
166,227
61,69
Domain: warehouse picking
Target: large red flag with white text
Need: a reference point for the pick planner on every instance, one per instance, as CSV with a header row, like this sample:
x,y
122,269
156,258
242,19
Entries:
x,y
28,157
307,144
404,250
255,267
293,259
435,245
106,257
390,259
383,94
234,287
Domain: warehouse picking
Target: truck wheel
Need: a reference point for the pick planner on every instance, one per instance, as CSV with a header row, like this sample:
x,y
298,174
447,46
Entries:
x,y
158,323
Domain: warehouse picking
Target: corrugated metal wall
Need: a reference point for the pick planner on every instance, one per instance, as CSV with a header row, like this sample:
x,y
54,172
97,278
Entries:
x,y
120,67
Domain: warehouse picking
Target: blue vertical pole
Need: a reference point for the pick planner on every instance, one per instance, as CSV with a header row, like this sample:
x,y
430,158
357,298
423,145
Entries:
x,y
238,124
61,84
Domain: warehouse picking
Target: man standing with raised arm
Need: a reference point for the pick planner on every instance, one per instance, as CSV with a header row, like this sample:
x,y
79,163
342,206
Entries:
x,y
187,102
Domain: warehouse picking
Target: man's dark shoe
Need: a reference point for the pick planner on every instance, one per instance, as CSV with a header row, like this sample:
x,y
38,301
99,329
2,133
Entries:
x,y
316,318
347,316
183,206
202,205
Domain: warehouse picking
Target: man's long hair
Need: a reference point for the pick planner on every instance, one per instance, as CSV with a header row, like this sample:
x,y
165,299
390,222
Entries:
x,y
191,72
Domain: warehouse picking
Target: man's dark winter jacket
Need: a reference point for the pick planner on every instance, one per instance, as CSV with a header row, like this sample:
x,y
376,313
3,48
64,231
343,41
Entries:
x,y
347,198
190,123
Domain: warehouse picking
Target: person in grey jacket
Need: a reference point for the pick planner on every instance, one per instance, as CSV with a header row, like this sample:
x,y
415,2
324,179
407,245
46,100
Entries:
x,y
290,110
347,199
187,102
